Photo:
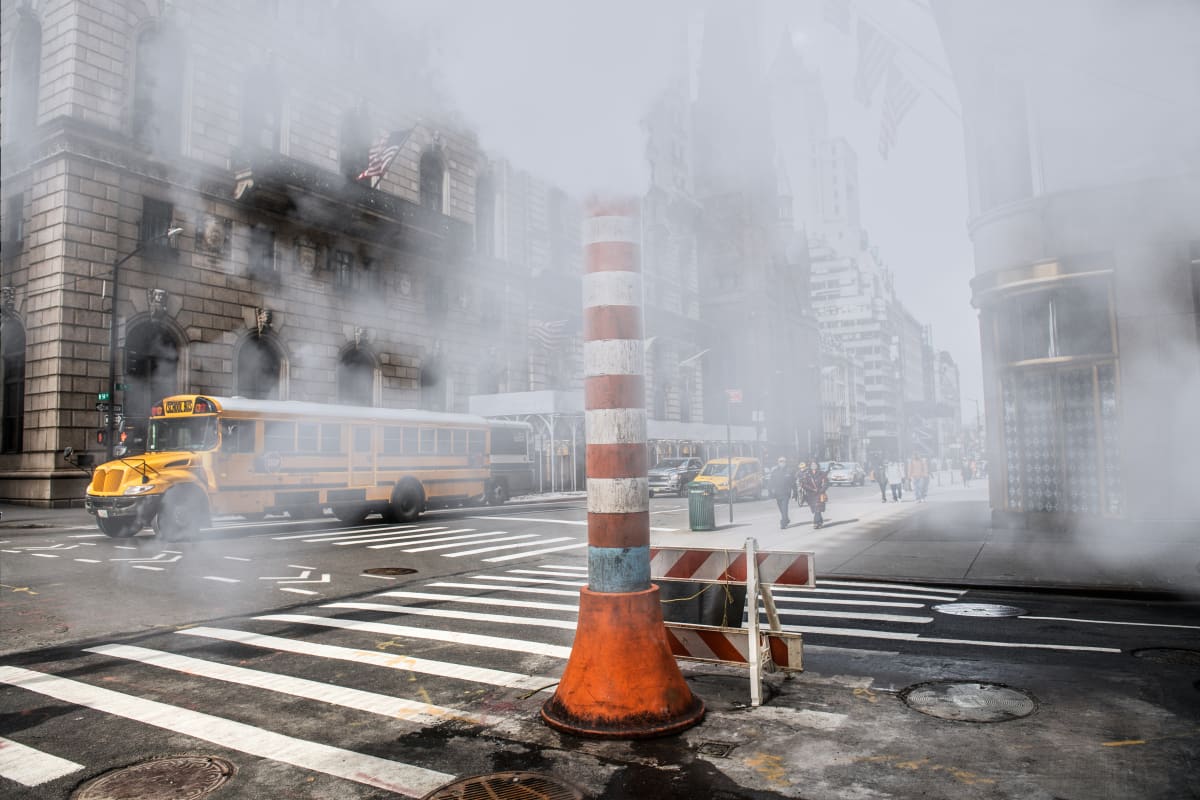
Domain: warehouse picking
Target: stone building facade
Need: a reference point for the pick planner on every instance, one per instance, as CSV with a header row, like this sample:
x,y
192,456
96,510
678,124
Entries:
x,y
291,279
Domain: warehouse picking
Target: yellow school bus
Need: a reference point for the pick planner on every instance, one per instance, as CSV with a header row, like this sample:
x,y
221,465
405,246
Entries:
x,y
209,456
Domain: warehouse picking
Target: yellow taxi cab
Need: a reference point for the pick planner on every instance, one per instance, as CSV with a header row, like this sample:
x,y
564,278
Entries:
x,y
747,477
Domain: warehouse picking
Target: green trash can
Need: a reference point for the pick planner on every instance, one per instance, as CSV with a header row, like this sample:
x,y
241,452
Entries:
x,y
702,501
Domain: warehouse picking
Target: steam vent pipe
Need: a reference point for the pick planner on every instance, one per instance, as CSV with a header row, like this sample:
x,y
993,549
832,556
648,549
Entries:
x,y
621,681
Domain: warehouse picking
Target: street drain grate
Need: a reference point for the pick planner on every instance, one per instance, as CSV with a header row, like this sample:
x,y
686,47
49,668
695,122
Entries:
x,y
387,571
716,749
979,610
506,786
1177,656
171,778
969,702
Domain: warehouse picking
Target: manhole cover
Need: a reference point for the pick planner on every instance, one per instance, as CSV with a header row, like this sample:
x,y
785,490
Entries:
x,y
506,786
1170,655
175,778
969,702
716,749
979,610
389,571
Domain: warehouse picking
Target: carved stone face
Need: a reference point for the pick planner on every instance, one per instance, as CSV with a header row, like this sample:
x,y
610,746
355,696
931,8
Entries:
x,y
213,234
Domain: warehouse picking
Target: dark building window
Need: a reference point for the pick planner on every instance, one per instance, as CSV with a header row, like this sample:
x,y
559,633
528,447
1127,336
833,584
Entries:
x,y
158,92
151,369
485,217
156,221
12,374
356,379
262,110
1065,321
432,178
258,370
262,264
25,78
343,269
14,227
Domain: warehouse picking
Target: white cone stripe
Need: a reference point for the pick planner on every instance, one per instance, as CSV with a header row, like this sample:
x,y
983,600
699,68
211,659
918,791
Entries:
x,y
454,637
612,288
482,601
527,553
609,229
442,669
613,357
615,426
394,776
507,547
371,702
515,589
459,614
770,569
618,495
30,767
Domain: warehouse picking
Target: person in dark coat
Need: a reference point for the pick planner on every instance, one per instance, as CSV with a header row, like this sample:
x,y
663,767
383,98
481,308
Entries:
x,y
813,485
881,478
782,486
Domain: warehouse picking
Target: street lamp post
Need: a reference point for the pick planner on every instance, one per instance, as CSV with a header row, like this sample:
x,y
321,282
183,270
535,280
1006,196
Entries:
x,y
110,418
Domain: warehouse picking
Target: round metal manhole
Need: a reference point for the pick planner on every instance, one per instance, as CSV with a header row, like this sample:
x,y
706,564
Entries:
x,y
173,778
969,702
979,610
389,571
506,786
1176,656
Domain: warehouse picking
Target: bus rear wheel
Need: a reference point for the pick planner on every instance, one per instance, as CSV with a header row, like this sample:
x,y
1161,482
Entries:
x,y
408,501
119,528
182,513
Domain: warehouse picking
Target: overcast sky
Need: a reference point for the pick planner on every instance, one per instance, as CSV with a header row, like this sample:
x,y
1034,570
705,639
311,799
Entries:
x,y
559,88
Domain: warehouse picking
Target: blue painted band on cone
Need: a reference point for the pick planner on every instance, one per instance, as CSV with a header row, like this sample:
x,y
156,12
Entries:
x,y
619,569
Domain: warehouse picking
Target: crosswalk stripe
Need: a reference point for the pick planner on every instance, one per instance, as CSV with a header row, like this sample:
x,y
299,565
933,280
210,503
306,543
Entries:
x,y
507,547
394,776
582,522
874,585
528,553
455,541
30,767
903,595
834,601
385,705
531,580
482,601
409,538
445,546
858,633
425,666
513,589
455,637
863,615
546,572
475,616
376,533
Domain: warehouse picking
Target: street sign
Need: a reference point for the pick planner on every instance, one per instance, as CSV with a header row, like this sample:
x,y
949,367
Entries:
x,y
122,387
103,396
107,407
734,395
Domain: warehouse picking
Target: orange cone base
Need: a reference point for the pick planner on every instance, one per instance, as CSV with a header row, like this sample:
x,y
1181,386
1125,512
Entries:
x,y
621,681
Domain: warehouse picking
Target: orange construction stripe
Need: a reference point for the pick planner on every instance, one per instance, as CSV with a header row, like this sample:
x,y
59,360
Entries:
x,y
610,256
616,460
612,322
614,391
630,529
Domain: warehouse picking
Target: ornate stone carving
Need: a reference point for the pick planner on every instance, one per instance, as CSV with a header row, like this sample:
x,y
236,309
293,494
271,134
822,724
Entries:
x,y
306,255
213,235
157,299
262,320
406,287
8,299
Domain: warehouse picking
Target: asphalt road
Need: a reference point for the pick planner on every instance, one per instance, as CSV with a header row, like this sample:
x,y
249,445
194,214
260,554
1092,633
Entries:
x,y
269,646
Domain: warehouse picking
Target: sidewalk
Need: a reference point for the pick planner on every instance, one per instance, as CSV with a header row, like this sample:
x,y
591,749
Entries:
x,y
949,539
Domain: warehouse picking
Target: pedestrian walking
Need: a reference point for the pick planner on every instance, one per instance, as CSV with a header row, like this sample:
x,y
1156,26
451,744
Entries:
x,y
966,474
895,479
782,486
880,473
813,485
918,473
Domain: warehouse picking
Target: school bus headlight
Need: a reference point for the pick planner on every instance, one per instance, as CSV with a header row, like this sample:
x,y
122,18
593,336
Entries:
x,y
140,488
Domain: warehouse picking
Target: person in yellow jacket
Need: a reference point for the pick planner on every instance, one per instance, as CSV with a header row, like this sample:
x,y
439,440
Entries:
x,y
918,474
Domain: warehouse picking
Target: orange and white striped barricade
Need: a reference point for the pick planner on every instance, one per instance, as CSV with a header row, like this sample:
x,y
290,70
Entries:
x,y
760,650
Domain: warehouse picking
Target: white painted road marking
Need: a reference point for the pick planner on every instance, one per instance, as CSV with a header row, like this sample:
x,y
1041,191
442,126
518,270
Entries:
x,y
482,601
527,553
394,776
916,637
443,546
507,547
235,558
30,767
873,585
1114,622
513,589
222,580
296,591
561,624
554,521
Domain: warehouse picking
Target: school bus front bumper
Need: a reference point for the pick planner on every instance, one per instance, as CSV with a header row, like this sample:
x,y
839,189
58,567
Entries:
x,y
139,507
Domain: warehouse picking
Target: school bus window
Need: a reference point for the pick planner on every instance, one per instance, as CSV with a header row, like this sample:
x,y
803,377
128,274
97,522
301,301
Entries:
x,y
306,437
362,439
443,442
475,442
331,438
427,440
391,441
280,437
410,441
458,442
237,436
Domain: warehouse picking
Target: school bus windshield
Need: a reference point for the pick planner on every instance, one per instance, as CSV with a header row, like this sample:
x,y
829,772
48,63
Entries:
x,y
183,433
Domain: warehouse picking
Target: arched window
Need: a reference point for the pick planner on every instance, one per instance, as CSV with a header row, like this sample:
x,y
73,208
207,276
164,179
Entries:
x,y
356,378
151,368
12,374
158,91
259,369
433,172
485,216
262,110
25,80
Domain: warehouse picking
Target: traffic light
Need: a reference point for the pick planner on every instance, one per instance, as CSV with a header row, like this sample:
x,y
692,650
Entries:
x,y
100,435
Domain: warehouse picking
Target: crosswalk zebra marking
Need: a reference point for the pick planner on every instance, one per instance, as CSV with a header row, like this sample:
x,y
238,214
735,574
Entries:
x,y
532,580
450,545
482,601
395,776
475,616
779,590
414,538
30,767
508,547
528,553
873,585
514,589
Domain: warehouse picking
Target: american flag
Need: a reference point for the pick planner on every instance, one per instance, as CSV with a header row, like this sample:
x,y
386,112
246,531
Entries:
x,y
875,54
380,156
898,98
548,334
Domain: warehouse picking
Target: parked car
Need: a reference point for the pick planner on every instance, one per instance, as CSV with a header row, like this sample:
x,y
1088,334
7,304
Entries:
x,y
846,473
673,475
747,477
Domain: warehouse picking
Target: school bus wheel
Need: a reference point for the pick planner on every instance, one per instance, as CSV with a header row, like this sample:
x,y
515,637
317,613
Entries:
x,y
408,501
183,512
119,528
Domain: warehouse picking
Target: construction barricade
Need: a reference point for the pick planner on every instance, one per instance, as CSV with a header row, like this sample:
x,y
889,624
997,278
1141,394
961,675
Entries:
x,y
762,650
